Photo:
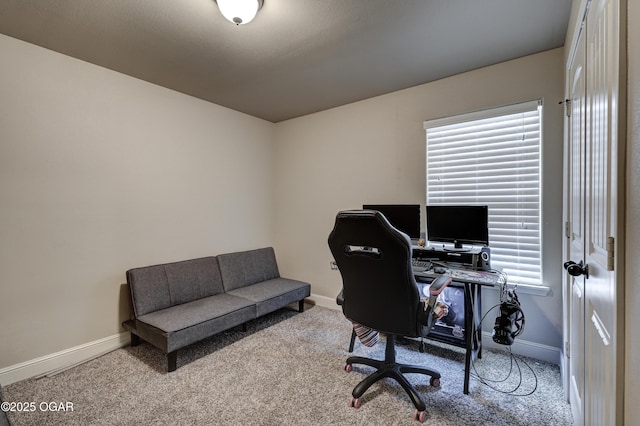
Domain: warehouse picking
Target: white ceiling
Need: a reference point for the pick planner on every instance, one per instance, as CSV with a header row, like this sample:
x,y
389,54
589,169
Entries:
x,y
298,56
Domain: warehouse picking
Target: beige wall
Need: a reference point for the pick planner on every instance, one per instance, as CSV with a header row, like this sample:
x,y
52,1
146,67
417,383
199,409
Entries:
x,y
632,290
100,172
374,152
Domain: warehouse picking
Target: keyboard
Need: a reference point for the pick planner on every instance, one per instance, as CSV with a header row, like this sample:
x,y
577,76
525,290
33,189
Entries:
x,y
422,265
459,275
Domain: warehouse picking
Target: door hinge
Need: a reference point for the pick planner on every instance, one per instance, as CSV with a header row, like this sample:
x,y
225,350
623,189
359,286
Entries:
x,y
567,352
610,253
567,229
567,107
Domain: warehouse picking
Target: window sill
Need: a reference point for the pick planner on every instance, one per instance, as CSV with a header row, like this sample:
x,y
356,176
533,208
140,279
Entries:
x,y
534,290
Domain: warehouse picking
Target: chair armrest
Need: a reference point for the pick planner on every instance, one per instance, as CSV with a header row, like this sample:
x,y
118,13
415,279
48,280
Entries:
x,y
437,286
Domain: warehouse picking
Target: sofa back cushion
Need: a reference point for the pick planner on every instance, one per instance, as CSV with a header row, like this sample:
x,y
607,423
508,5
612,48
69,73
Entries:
x,y
162,286
244,268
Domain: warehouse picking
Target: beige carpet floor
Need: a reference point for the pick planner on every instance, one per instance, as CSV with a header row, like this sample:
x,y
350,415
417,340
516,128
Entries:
x,y
287,369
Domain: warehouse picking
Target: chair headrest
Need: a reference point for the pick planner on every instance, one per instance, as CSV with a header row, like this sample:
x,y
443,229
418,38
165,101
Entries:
x,y
367,228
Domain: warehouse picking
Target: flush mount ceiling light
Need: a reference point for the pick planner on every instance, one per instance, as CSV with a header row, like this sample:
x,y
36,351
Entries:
x,y
239,12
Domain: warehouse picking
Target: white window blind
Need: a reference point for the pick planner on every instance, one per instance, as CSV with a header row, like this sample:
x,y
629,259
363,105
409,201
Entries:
x,y
492,158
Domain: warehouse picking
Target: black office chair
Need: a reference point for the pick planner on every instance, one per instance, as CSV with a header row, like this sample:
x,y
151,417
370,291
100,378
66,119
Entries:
x,y
380,292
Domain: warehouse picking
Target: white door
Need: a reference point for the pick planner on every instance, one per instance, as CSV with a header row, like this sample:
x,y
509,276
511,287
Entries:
x,y
603,316
595,172
576,226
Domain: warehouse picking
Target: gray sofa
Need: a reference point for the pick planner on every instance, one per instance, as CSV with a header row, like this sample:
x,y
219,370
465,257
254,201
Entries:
x,y
177,304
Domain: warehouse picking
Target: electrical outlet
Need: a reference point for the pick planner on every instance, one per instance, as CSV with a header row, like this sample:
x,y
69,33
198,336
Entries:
x,y
334,265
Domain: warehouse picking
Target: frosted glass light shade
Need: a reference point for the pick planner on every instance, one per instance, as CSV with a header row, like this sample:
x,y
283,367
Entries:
x,y
239,12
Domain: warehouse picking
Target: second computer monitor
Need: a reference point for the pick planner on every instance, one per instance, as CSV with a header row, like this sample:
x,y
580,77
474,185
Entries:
x,y
458,224
404,217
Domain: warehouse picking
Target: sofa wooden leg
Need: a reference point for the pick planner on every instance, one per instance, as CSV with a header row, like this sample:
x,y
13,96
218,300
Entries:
x,y
301,305
135,340
172,361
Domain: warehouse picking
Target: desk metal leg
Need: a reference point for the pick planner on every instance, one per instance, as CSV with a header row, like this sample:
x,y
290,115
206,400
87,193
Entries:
x,y
478,309
472,328
469,332
473,332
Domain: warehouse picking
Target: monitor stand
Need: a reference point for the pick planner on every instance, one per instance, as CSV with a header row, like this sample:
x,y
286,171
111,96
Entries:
x,y
457,248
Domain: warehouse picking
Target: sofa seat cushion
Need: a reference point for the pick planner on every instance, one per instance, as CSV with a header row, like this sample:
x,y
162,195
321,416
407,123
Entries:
x,y
273,294
189,314
181,325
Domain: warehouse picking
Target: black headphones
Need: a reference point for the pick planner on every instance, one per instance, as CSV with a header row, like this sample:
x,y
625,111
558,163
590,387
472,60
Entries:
x,y
510,322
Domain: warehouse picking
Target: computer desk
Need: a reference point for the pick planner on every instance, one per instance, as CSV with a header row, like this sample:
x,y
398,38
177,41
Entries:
x,y
472,282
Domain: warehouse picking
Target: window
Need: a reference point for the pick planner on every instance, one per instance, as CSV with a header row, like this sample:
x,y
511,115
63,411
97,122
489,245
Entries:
x,y
492,158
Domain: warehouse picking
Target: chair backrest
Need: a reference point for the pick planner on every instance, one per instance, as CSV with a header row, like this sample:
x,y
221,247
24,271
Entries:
x,y
374,259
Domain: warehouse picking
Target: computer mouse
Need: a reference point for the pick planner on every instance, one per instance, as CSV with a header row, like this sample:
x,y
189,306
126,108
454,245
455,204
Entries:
x,y
439,270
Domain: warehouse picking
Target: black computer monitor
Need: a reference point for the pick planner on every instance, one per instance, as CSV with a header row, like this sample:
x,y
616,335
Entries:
x,y
458,224
404,217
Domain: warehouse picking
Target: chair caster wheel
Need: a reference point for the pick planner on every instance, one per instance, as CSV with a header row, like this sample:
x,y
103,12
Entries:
x,y
422,347
420,416
355,402
434,382
348,367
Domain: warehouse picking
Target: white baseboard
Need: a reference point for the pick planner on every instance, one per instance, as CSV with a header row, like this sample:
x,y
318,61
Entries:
x,y
62,360
526,348
324,301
